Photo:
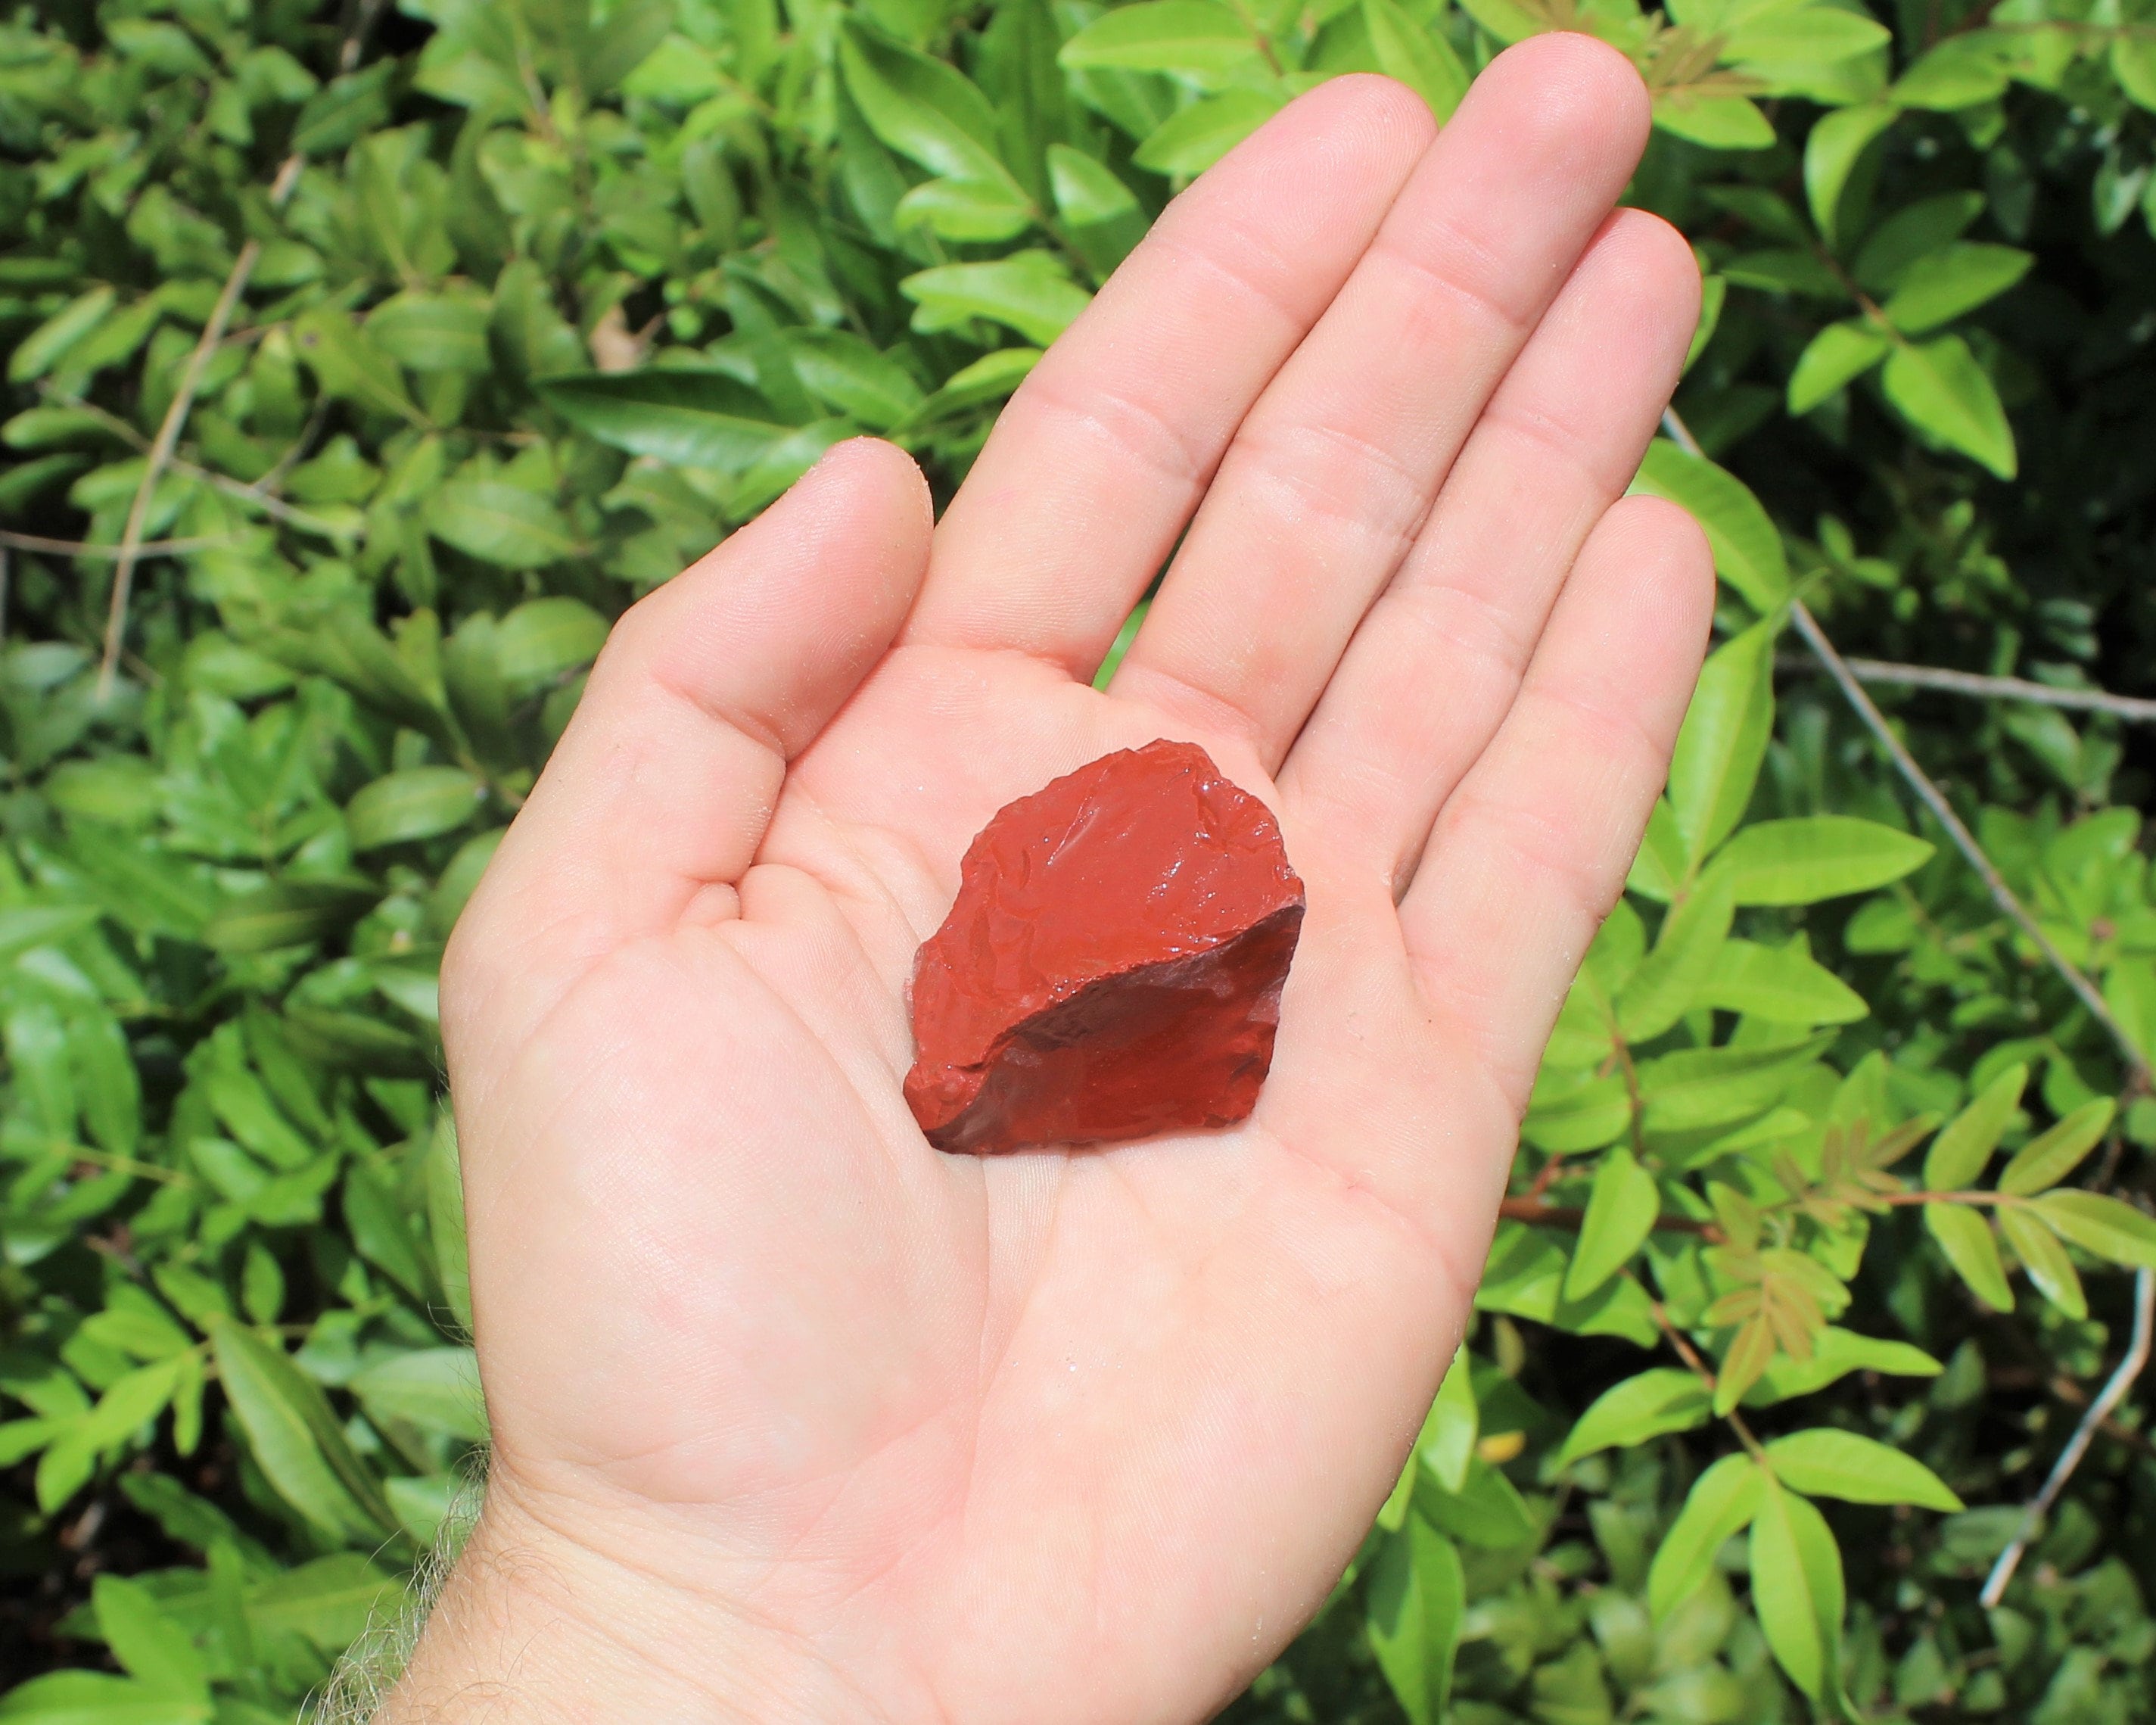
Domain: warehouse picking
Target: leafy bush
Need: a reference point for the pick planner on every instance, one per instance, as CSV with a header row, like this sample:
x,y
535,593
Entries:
x,y
414,354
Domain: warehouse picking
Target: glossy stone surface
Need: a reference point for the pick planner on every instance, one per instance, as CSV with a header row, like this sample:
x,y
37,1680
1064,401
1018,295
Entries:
x,y
1112,967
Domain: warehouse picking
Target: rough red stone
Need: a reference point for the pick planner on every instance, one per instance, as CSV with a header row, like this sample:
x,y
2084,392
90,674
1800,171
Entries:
x,y
1113,965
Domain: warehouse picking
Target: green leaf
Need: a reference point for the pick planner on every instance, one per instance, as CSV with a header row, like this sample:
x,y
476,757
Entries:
x,y
1507,21
446,1218
349,366
1963,70
1814,857
131,1403
1573,1111
38,352
432,332
350,652
1029,291
1832,359
1487,1510
436,1389
851,376
1661,1399
2051,1156
344,109
1913,232
1747,549
542,639
1720,1506
685,417
295,1438
380,1227
1720,122
93,1698
1723,739
1662,867
1192,140
2049,1267
1803,36
1713,294
1797,1587
149,1645
329,1602
1966,1239
988,379
23,928
1958,1155
420,803
1783,985
2134,64
1693,1089
1621,1209
501,524
1417,55
1194,37
2105,1226
287,913
1446,1445
1827,1463
925,110
1939,388
632,29
1669,978
1087,192
967,211
1832,152
1417,1596
1835,1353
1787,270
1954,280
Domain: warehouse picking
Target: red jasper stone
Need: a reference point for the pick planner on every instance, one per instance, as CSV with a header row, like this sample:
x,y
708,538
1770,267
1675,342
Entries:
x,y
1113,965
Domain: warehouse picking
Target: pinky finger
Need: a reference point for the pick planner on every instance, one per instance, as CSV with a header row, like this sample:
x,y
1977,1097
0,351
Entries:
x,y
1531,850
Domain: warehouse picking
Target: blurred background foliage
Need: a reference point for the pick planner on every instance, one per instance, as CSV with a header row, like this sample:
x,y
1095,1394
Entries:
x,y
362,366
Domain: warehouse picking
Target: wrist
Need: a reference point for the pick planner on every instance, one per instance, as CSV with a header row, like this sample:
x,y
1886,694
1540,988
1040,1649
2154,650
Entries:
x,y
532,1627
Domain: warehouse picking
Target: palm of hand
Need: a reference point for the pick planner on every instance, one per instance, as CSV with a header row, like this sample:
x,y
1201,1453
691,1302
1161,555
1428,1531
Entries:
x,y
1079,1432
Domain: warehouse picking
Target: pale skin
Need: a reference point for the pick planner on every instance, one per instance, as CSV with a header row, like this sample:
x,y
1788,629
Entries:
x,y
798,1418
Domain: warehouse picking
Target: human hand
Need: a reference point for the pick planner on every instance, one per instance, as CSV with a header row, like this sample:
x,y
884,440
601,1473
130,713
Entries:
x,y
798,1418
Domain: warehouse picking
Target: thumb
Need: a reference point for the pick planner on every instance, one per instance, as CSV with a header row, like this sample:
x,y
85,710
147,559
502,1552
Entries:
x,y
662,784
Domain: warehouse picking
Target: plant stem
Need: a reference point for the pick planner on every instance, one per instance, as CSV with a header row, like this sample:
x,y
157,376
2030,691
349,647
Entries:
x,y
1935,799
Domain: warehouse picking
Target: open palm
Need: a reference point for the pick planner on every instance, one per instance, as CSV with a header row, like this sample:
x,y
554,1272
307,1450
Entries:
x,y
1086,1433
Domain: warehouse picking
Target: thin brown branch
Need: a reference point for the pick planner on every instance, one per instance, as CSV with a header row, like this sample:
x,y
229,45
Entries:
x,y
2070,1458
161,454
1933,798
2133,708
1533,1210
1704,1372
167,442
107,553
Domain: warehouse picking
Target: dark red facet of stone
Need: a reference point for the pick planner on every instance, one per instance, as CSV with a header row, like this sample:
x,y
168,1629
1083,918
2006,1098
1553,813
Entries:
x,y
1113,965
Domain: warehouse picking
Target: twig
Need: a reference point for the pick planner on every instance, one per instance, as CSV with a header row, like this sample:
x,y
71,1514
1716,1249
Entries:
x,y
2070,1458
253,495
1532,1210
1964,841
1933,798
160,453
175,416
2130,707
77,549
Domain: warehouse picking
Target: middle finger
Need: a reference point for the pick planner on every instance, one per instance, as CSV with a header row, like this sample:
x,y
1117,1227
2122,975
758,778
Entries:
x,y
1334,469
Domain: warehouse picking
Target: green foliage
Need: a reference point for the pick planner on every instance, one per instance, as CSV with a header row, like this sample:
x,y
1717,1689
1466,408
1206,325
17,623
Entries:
x,y
552,296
